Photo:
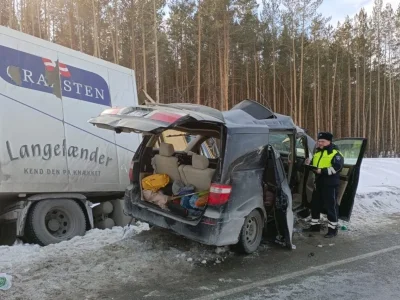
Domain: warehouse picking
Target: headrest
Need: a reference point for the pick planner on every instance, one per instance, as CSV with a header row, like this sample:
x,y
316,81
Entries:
x,y
166,149
200,162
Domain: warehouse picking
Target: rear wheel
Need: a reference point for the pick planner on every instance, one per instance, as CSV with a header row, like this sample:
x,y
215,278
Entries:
x,y
54,221
251,233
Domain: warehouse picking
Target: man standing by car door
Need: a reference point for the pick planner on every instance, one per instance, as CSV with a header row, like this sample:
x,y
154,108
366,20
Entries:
x,y
327,164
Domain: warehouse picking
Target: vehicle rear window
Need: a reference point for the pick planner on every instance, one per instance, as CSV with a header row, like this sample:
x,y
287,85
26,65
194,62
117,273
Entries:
x,y
178,139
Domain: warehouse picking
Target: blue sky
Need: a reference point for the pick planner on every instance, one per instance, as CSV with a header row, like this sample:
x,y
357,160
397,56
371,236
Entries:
x,y
339,9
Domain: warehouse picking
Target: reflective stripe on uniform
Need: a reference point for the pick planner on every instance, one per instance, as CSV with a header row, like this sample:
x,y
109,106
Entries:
x,y
314,221
332,225
331,171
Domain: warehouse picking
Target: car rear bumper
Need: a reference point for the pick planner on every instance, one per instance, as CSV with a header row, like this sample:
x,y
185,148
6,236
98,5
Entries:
x,y
209,231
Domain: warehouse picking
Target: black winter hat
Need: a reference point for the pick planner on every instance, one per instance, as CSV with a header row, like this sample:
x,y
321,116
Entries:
x,y
325,136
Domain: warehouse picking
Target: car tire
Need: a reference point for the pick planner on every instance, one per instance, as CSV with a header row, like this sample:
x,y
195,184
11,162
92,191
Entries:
x,y
54,221
251,233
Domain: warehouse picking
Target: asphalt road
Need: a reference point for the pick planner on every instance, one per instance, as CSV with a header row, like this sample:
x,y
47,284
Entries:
x,y
347,267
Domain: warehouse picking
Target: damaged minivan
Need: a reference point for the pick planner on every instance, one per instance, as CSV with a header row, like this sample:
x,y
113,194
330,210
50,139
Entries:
x,y
222,178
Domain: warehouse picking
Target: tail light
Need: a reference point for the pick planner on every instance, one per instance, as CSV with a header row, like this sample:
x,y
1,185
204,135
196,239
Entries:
x,y
219,194
131,172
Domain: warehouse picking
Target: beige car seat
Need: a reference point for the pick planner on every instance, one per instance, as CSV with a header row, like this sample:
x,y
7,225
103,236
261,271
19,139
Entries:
x,y
198,174
166,163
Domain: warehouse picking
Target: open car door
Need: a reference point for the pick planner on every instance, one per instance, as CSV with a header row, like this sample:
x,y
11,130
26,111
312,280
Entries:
x,y
353,150
308,179
283,201
304,147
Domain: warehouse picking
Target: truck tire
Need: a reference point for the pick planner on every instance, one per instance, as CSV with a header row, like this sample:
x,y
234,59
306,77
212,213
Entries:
x,y
54,221
251,233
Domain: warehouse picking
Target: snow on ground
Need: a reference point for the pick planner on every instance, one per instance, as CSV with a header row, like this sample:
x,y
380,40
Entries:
x,y
378,194
89,265
338,284
86,267
379,175
313,287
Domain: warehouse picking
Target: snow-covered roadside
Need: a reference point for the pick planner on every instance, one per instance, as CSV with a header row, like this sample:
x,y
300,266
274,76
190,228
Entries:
x,y
379,175
85,267
378,194
79,267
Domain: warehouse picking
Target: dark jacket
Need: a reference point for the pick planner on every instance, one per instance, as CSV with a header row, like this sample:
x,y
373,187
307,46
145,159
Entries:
x,y
330,176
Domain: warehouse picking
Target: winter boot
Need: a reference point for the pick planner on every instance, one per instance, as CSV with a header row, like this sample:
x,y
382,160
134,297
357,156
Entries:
x,y
331,233
313,228
304,213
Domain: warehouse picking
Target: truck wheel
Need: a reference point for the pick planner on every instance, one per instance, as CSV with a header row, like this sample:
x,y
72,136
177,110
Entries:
x,y
54,221
251,233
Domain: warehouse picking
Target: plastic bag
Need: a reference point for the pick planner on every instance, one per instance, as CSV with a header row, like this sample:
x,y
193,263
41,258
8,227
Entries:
x,y
5,281
202,201
156,198
155,182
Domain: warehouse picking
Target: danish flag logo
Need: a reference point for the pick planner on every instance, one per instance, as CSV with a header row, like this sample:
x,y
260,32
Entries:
x,y
50,66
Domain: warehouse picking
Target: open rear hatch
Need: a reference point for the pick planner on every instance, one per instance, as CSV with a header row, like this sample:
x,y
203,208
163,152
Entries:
x,y
153,121
154,118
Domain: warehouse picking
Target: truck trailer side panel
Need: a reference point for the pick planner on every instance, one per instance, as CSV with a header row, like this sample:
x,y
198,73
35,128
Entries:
x,y
47,94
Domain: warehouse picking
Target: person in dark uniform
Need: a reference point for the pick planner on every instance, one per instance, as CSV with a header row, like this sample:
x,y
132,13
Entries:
x,y
327,164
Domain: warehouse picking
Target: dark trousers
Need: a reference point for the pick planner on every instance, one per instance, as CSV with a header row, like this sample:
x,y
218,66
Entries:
x,y
325,197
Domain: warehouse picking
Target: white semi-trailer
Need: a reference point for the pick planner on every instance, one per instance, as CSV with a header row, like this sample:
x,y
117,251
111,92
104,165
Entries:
x,y
53,163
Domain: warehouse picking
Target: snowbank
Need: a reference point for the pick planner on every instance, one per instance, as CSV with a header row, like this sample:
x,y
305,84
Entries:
x,y
87,267
378,194
379,175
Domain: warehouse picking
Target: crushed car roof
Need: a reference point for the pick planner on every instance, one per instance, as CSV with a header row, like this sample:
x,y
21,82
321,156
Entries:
x,y
251,113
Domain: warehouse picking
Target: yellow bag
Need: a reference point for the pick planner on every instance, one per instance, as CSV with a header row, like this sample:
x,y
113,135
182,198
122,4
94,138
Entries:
x,y
155,182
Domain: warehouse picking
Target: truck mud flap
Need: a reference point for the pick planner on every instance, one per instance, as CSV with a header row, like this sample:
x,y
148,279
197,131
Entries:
x,y
8,233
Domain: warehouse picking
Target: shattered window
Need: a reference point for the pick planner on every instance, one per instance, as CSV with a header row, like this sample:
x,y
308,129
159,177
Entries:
x,y
283,143
280,142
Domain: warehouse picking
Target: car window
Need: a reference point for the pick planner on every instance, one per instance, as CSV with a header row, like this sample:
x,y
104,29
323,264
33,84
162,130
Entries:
x,y
210,148
178,139
350,148
280,142
300,148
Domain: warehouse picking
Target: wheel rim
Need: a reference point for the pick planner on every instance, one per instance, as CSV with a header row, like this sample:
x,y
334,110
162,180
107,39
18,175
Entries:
x,y
58,222
251,231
